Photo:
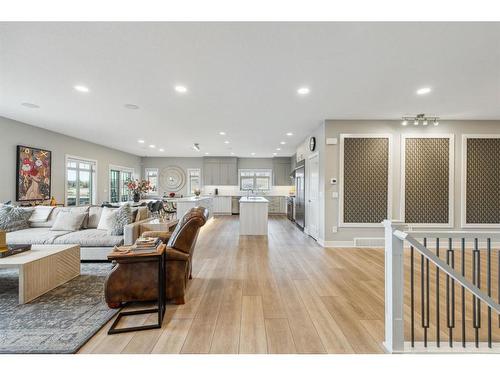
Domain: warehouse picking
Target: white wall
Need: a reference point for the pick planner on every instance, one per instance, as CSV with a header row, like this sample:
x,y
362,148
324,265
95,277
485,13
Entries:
x,y
330,168
13,133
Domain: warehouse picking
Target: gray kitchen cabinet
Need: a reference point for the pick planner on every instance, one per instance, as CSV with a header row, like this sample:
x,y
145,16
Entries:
x,y
281,171
220,171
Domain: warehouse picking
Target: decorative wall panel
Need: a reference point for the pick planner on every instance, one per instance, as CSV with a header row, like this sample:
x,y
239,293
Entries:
x,y
427,180
366,172
483,181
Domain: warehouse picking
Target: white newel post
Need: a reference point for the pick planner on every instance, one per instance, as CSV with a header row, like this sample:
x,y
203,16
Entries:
x,y
394,289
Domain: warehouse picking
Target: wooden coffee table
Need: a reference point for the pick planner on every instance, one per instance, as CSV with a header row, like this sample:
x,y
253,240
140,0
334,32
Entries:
x,y
43,268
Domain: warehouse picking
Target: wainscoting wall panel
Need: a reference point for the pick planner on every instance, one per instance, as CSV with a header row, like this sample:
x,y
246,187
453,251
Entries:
x,y
483,181
365,179
427,180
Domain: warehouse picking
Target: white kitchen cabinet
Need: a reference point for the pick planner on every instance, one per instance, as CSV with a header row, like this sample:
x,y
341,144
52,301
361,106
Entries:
x,y
222,205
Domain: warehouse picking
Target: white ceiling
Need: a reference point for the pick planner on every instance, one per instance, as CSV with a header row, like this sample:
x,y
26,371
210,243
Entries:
x,y
242,79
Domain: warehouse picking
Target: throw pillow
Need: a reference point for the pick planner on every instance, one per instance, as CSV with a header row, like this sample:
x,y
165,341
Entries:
x,y
69,220
104,221
14,218
119,219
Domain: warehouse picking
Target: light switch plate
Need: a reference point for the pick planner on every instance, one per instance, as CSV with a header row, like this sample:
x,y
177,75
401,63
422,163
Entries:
x,y
331,141
334,229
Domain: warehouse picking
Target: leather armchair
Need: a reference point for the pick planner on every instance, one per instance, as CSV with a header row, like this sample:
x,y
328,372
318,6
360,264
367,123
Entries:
x,y
133,281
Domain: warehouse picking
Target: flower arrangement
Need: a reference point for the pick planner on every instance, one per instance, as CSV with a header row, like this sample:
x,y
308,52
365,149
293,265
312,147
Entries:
x,y
137,188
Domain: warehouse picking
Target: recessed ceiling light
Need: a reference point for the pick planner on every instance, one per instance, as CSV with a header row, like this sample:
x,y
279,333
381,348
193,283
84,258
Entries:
x,y
253,154
232,153
152,146
226,142
435,122
282,143
207,153
404,122
424,90
140,140
303,91
289,134
278,149
131,106
81,88
30,105
275,153
222,133
181,89
161,150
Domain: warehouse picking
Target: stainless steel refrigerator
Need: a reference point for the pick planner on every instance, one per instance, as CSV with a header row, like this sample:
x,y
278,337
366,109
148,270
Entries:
x,y
300,197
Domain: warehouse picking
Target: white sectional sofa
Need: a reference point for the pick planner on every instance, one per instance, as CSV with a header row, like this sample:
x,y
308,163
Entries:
x,y
95,244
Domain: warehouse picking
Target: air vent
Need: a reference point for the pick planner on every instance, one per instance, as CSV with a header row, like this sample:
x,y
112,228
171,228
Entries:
x,y
368,242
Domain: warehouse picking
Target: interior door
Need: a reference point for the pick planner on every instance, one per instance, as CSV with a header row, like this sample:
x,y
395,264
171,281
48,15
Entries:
x,y
312,199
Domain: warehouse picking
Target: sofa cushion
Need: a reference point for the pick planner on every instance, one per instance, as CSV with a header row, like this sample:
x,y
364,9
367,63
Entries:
x,y
69,221
41,214
50,220
94,216
14,218
34,236
90,238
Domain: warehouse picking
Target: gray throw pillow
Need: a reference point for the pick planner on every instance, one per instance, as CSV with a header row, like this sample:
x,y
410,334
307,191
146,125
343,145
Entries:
x,y
119,218
14,218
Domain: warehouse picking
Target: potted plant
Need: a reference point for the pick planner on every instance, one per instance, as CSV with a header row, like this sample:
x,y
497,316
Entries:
x,y
138,188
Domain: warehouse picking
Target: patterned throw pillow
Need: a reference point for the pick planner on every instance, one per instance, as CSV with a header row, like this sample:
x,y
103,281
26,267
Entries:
x,y
119,218
14,218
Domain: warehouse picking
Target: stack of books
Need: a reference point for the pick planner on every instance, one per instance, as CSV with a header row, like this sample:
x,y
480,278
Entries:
x,y
146,245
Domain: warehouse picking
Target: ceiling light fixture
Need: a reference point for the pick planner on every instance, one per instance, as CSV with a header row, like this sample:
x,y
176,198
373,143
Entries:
x,y
207,153
226,142
232,153
289,134
81,88
152,146
140,140
30,105
222,133
181,89
303,91
421,118
131,106
161,150
282,143
196,146
275,153
424,90
253,154
278,149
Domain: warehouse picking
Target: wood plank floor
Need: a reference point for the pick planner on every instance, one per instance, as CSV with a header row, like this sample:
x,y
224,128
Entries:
x,y
277,294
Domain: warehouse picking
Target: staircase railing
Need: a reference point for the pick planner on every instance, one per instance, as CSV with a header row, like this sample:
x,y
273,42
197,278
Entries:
x,y
408,302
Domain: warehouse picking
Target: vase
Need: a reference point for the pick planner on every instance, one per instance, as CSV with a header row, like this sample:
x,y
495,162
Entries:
x,y
136,197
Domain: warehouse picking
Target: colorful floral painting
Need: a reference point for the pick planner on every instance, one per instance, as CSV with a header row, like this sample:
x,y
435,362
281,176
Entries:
x,y
33,174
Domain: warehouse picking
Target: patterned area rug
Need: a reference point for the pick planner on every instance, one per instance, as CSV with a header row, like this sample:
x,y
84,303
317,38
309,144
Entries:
x,y
60,321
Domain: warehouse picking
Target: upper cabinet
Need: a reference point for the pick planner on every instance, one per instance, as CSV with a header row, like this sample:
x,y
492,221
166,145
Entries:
x,y
220,171
281,171
301,152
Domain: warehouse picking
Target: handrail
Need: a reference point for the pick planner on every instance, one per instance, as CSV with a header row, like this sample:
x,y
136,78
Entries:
x,y
448,270
455,234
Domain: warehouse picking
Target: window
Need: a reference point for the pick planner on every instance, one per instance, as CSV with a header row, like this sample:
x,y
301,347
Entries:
x,y
80,181
255,179
118,179
152,176
194,178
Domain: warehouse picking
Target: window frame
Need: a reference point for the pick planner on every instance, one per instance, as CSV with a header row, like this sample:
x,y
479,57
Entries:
x,y
255,177
146,177
93,177
121,170
188,185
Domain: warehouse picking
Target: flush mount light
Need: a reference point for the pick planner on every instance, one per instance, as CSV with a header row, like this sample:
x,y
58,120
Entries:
x,y
161,150
222,133
289,134
423,90
30,105
282,143
81,88
181,89
226,142
131,106
152,146
303,91
140,140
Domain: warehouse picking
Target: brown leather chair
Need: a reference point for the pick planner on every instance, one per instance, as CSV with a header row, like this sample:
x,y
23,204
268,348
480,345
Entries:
x,y
138,281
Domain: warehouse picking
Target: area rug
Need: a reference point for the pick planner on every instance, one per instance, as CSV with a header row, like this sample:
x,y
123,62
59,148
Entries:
x,y
60,321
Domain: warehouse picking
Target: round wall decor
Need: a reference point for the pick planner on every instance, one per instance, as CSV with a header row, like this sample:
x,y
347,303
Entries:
x,y
172,178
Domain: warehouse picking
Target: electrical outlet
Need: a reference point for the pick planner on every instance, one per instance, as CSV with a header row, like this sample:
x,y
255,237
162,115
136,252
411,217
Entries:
x,y
334,229
335,194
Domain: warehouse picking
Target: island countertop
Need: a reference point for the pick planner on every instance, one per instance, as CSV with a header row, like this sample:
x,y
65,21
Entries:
x,y
253,200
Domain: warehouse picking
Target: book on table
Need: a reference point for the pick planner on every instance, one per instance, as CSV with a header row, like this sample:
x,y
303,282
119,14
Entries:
x,y
146,245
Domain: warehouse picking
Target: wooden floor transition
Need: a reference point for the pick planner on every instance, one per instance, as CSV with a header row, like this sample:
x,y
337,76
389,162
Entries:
x,y
277,294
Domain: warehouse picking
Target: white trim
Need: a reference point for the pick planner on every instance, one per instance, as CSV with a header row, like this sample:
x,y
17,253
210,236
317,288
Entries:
x,y
94,182
463,185
451,179
341,180
270,170
188,180
307,190
121,169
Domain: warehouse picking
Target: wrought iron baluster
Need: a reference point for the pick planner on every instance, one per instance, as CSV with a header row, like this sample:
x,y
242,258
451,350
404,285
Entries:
x,y
424,293
463,294
476,280
488,282
450,293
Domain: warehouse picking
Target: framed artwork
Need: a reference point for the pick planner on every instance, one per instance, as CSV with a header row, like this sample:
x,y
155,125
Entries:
x,y
33,170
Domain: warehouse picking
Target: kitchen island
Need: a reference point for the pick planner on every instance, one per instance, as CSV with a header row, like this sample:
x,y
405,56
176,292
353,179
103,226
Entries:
x,y
185,204
253,216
